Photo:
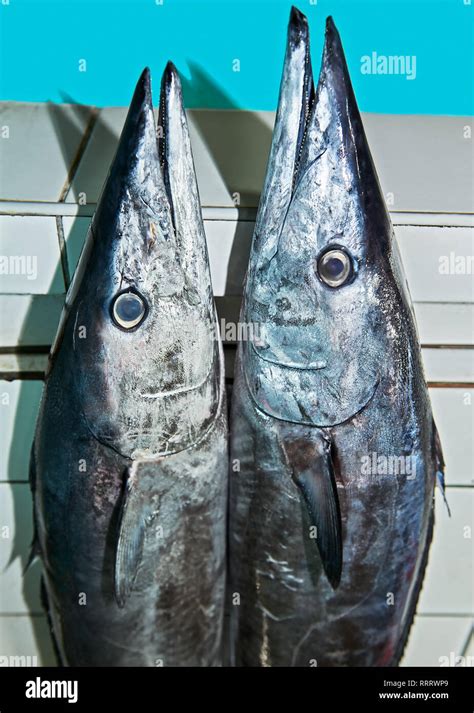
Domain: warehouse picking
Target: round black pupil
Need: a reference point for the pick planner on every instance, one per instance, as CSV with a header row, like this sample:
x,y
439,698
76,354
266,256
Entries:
x,y
334,267
129,308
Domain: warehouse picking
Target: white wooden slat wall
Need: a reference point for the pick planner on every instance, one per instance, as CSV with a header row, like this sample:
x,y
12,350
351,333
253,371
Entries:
x,y
57,158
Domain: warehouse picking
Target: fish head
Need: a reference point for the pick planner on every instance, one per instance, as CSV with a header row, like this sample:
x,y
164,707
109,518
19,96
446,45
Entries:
x,y
320,280
145,342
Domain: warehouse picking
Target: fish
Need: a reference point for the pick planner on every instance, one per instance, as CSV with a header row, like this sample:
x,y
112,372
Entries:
x,y
334,452
129,464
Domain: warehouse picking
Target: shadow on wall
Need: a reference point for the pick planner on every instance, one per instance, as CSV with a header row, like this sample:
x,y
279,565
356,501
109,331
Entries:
x,y
23,429
239,150
234,155
70,135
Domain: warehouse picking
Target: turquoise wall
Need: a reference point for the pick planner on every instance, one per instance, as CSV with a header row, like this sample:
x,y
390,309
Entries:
x,y
43,41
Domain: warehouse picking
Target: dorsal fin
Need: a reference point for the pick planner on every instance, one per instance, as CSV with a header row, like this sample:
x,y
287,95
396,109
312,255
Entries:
x,y
439,463
35,550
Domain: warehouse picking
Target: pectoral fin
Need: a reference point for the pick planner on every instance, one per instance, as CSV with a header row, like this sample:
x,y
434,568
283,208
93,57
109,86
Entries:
x,y
308,455
133,520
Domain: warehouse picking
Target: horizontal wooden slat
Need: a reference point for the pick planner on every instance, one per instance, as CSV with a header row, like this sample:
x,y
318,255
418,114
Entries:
x,y
425,166
442,366
19,400
455,366
438,323
427,254
226,213
450,367
433,640
24,366
447,588
19,593
29,320
44,142
453,411
445,323
29,251
32,320
25,636
423,161
425,251
436,641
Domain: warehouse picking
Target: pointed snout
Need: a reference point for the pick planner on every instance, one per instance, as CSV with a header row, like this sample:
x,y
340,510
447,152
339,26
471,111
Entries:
x,y
298,30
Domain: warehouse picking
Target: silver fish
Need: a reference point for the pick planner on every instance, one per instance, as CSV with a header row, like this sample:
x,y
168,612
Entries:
x,y
129,463
334,450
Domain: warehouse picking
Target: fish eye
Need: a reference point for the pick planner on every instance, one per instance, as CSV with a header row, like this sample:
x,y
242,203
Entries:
x,y
128,310
335,267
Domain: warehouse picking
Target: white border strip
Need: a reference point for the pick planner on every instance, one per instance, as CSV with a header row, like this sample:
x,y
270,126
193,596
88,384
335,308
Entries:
x,y
227,213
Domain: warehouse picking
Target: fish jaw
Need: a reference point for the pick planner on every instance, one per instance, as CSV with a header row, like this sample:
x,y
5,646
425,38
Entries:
x,y
329,199
154,388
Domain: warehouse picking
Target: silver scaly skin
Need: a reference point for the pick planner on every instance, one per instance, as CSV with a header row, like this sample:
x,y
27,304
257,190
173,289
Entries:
x,y
129,463
326,556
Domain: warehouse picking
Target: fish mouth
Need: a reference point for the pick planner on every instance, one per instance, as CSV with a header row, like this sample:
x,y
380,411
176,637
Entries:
x,y
169,81
298,34
180,390
316,365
